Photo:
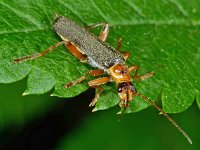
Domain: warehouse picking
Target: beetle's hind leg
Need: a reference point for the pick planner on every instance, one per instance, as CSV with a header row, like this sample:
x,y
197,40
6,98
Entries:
x,y
68,45
119,44
34,56
76,52
104,31
136,76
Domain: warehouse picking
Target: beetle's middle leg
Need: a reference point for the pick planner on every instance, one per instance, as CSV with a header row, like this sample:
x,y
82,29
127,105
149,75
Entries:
x,y
119,44
91,72
104,31
136,76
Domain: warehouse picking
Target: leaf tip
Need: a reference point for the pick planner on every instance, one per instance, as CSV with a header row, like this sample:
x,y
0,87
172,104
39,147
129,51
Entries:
x,y
95,109
122,111
53,94
25,93
119,113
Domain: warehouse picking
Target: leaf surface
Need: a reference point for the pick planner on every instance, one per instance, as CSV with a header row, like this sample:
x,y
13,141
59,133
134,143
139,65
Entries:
x,y
163,38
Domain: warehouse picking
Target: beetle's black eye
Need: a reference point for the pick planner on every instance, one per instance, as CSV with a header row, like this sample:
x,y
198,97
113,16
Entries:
x,y
126,86
119,87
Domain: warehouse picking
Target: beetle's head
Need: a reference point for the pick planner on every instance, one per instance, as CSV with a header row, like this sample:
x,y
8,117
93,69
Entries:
x,y
121,75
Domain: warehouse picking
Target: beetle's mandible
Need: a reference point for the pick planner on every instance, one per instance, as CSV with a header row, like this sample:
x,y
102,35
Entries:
x,y
93,50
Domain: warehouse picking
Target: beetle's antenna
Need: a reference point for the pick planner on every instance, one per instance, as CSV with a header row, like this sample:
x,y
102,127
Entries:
x,y
121,113
167,116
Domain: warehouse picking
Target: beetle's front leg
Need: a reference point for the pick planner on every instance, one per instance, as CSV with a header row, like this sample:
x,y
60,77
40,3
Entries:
x,y
96,84
136,76
119,44
91,72
97,95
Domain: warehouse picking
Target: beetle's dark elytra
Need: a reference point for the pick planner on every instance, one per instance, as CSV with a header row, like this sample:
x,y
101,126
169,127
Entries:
x,y
98,53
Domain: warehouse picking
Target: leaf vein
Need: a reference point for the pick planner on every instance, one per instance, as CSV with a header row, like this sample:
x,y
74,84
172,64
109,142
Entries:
x,y
72,10
99,11
135,8
23,15
27,30
179,7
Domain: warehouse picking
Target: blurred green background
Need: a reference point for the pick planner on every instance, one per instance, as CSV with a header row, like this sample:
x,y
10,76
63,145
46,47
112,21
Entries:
x,y
44,122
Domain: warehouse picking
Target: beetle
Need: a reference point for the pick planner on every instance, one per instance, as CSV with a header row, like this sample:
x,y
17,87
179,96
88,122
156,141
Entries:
x,y
92,49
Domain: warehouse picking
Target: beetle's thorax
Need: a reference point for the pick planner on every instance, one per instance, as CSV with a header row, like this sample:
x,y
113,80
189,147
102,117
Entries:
x,y
120,73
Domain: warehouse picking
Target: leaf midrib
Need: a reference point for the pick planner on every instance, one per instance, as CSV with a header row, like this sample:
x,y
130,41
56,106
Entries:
x,y
136,23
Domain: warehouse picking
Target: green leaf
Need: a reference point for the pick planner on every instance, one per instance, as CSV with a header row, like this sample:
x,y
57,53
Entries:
x,y
39,82
162,36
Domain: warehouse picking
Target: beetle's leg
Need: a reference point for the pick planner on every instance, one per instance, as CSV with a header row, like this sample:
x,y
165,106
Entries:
x,y
76,52
91,72
126,55
119,44
94,26
97,95
25,58
104,31
96,84
136,76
